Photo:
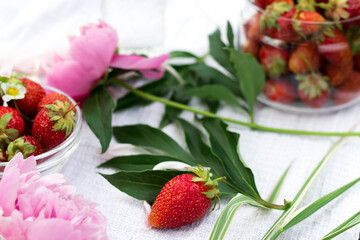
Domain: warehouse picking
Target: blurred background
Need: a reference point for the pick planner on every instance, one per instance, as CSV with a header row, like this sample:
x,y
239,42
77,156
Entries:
x,y
33,29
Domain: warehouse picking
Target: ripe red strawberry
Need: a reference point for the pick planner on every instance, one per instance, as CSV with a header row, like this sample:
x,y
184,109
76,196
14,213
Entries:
x,y
335,48
310,22
27,145
183,200
357,61
313,89
338,75
280,91
52,98
252,28
34,93
304,59
264,3
273,60
277,22
11,125
349,90
53,124
252,48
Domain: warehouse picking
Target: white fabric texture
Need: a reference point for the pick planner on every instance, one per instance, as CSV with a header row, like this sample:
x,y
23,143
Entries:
x,y
186,26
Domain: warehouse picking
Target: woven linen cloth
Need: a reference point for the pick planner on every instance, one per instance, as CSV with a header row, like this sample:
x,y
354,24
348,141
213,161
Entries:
x,y
187,24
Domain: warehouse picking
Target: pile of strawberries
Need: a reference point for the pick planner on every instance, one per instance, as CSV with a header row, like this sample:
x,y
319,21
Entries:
x,y
31,121
309,49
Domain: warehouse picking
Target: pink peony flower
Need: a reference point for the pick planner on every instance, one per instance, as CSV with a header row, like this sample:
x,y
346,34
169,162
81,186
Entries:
x,y
91,55
35,207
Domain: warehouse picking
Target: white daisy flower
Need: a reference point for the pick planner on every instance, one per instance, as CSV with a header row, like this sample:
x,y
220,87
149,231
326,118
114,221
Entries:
x,y
12,91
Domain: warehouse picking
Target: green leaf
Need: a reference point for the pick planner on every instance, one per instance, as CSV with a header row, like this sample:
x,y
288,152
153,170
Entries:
x,y
218,51
349,223
304,189
98,109
213,76
278,186
214,92
183,54
250,74
307,211
225,145
146,136
144,185
137,162
223,222
204,156
230,35
130,100
171,113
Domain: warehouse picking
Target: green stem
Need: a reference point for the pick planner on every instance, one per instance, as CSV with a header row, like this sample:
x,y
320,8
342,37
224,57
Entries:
x,y
202,58
212,115
272,205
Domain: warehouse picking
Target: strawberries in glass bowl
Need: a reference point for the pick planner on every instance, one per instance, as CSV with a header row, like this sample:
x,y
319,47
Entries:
x,y
37,120
310,46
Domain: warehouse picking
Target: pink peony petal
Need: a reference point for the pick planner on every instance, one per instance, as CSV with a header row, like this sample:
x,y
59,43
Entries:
x,y
54,229
89,58
33,207
151,68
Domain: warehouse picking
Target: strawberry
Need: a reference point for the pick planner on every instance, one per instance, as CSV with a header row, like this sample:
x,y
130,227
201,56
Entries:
x,y
11,125
52,98
313,89
349,90
310,22
280,91
273,60
184,199
27,145
53,124
357,61
34,93
335,48
252,48
276,22
304,59
252,28
264,3
341,9
338,75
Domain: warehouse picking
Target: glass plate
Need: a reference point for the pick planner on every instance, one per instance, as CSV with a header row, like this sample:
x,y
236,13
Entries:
x,y
299,107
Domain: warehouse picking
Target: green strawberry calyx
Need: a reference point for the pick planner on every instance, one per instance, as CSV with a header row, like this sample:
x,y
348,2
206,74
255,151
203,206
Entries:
x,y
306,5
272,13
62,115
335,9
203,176
6,135
277,67
313,85
19,145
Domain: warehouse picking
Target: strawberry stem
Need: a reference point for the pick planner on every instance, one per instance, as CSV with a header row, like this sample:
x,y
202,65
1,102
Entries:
x,y
72,108
212,115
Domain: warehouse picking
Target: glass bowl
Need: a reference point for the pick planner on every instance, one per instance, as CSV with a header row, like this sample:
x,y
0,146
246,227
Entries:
x,y
54,159
311,67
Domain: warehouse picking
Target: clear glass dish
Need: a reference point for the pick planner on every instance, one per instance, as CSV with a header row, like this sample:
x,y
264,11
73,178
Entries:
x,y
54,159
317,51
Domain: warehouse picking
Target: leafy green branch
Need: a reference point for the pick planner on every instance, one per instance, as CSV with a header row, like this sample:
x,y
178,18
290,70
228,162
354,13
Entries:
x,y
221,155
238,84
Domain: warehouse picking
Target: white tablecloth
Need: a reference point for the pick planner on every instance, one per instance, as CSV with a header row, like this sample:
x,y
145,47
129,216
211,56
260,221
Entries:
x,y
187,24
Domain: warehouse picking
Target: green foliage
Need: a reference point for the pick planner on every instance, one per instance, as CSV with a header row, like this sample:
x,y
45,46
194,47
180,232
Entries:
x,y
98,109
221,156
